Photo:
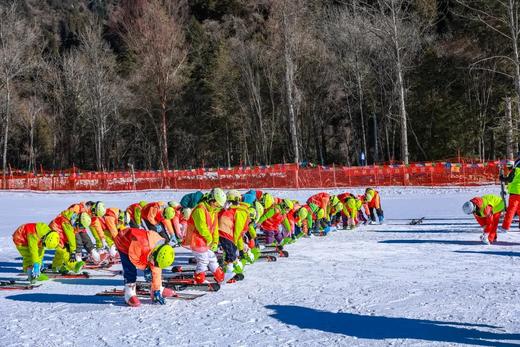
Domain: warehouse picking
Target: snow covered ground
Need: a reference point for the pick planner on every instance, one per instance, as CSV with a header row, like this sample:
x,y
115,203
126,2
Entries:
x,y
427,285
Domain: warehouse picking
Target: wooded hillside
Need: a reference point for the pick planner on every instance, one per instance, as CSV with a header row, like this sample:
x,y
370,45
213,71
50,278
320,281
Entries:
x,y
188,83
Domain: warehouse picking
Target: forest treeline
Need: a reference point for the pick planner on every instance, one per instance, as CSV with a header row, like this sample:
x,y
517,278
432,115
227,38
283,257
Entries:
x,y
159,84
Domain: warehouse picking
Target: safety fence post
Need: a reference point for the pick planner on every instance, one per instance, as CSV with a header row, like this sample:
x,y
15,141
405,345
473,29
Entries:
x,y
334,175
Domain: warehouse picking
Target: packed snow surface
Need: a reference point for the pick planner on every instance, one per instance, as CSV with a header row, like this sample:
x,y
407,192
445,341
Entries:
x,y
394,284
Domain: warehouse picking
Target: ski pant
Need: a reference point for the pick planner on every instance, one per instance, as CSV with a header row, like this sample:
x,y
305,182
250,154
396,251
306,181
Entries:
x,y
83,241
99,239
490,225
61,258
28,261
349,222
230,250
362,217
271,236
335,219
129,269
513,208
376,211
298,231
205,260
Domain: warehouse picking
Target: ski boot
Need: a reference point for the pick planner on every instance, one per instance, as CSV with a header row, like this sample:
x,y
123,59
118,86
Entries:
x,y
484,238
131,295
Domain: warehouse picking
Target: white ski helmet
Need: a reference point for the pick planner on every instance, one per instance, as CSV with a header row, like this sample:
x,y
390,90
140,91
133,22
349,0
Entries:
x,y
468,207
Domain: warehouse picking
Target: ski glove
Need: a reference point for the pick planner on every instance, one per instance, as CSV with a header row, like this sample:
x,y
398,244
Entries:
x,y
148,275
36,270
158,298
159,228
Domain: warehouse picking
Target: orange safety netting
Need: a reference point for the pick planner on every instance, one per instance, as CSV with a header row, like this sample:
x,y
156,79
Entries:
x,y
288,176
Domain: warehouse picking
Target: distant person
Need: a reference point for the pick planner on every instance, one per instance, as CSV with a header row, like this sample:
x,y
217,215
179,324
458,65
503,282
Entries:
x,y
362,159
513,188
487,211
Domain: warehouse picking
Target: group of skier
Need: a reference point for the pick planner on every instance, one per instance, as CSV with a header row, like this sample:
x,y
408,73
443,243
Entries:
x,y
488,209
144,235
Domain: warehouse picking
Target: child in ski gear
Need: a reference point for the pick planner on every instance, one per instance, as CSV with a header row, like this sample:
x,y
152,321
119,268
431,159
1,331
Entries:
x,y
31,240
486,210
351,206
63,262
191,200
105,226
272,220
81,223
322,201
301,221
134,214
513,188
234,222
142,249
373,202
158,217
202,236
179,222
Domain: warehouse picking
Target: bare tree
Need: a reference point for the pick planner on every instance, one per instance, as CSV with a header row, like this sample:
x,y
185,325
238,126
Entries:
x,y
101,92
31,110
503,19
17,40
157,40
399,31
347,38
291,35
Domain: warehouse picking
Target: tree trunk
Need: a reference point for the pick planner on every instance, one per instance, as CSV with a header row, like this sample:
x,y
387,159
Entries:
x,y
400,86
6,131
513,26
509,132
361,111
164,137
32,164
289,80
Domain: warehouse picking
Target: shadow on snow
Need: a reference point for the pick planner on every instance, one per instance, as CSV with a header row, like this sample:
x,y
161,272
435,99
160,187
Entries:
x,y
66,298
450,242
507,254
91,281
411,230
380,327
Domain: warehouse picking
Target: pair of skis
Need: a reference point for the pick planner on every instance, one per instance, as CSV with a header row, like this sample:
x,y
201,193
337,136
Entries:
x,y
176,284
145,293
17,285
84,274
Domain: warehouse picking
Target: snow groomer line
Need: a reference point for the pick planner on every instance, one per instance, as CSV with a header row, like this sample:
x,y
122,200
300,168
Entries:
x,y
225,232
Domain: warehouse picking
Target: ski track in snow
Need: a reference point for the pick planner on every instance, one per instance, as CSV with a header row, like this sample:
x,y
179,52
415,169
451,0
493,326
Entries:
x,y
395,284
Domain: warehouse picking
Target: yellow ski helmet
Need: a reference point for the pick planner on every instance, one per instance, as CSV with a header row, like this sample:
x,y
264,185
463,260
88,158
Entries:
x,y
85,220
267,201
163,256
219,196
169,213
51,240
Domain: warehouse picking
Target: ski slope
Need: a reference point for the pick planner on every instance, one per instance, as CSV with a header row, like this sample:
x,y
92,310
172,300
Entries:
x,y
429,285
